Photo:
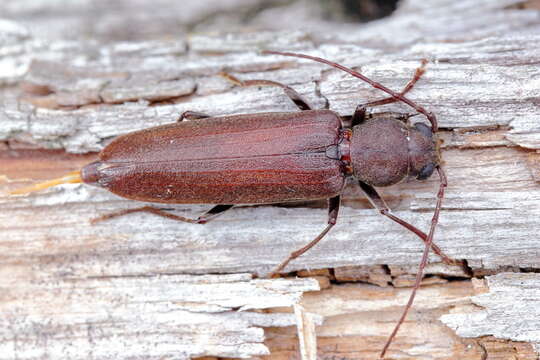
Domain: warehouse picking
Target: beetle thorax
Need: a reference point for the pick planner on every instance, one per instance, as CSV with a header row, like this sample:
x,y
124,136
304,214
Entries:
x,y
385,151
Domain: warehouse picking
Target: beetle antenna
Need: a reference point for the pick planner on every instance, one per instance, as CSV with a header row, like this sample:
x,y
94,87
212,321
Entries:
x,y
70,178
434,220
430,116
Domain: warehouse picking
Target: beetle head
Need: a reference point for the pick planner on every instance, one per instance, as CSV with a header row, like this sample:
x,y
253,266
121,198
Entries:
x,y
423,151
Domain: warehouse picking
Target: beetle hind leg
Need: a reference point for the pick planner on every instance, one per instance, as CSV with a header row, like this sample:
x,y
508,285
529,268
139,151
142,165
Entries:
x,y
203,219
333,209
295,97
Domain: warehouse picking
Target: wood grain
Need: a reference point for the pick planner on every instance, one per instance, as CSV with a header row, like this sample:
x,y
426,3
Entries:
x,y
141,286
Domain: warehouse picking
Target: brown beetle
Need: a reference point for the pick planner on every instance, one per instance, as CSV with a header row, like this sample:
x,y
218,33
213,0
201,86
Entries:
x,y
273,157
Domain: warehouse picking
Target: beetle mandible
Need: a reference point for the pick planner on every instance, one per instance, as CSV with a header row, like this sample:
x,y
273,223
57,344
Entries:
x,y
274,157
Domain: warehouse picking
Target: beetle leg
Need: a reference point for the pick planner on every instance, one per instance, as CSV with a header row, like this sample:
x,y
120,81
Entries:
x,y
378,202
359,115
203,219
192,115
213,213
417,75
333,209
296,98
360,112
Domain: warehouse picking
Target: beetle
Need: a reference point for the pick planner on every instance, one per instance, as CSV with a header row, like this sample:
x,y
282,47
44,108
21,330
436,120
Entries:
x,y
274,158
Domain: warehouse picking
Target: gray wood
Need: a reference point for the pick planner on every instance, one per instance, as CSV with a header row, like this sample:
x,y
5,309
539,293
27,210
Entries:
x,y
482,81
511,296
181,316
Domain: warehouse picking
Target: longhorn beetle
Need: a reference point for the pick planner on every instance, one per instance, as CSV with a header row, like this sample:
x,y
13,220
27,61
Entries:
x,y
274,157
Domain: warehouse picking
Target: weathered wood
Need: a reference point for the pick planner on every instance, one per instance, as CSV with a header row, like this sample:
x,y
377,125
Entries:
x,y
181,316
510,297
358,318
481,80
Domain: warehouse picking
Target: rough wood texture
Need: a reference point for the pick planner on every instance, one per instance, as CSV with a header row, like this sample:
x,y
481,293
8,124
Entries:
x,y
510,297
60,92
181,316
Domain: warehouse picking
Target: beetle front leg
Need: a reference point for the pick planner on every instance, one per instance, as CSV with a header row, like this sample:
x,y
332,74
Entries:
x,y
295,97
378,202
360,111
417,75
333,209
359,115
203,219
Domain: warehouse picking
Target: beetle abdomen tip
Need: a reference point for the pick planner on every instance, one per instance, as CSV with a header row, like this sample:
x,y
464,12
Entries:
x,y
90,173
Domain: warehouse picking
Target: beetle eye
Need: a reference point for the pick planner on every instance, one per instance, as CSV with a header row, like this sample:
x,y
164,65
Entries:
x,y
426,172
424,129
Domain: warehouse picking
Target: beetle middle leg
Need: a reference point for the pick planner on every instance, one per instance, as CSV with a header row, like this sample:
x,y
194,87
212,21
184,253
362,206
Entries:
x,y
378,202
333,209
202,219
192,115
295,97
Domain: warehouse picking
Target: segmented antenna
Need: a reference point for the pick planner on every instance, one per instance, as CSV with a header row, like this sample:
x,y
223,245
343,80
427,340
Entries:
x,y
430,116
434,220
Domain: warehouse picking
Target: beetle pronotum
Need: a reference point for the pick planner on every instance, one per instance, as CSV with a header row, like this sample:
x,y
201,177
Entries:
x,y
273,157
